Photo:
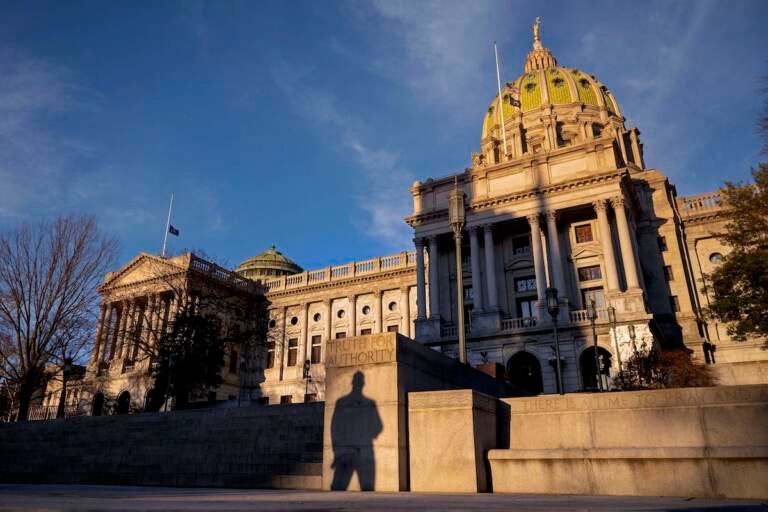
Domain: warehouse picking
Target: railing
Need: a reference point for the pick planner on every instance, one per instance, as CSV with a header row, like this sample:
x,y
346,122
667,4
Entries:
x,y
200,265
48,412
518,324
450,331
582,316
700,202
342,272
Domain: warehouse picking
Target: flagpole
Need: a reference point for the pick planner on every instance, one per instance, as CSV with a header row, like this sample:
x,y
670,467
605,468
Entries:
x,y
501,108
167,226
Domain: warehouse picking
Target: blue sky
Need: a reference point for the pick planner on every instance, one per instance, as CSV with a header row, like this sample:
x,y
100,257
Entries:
x,y
303,123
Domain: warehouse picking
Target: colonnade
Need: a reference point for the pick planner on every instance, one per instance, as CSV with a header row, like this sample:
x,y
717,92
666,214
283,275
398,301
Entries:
x,y
555,261
122,324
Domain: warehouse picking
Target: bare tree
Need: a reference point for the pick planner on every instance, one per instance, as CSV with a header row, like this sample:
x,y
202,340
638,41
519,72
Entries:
x,y
49,272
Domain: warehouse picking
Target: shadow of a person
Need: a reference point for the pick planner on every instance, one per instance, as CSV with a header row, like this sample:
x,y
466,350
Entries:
x,y
354,426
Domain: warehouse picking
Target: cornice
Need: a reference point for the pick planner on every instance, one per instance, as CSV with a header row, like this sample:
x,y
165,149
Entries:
x,y
483,204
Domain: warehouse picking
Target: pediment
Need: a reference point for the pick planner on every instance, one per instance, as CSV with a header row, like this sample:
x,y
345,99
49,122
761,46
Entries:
x,y
586,252
142,268
519,262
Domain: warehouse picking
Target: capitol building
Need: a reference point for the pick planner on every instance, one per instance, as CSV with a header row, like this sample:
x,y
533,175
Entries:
x,y
558,195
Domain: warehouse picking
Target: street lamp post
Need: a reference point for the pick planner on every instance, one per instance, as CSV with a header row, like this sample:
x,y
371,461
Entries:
x,y
457,218
553,307
65,372
592,315
612,320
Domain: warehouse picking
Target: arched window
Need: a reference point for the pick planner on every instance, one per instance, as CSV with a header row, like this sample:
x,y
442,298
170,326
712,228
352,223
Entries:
x,y
524,372
587,366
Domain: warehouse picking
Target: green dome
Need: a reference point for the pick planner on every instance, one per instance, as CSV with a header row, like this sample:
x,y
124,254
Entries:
x,y
267,265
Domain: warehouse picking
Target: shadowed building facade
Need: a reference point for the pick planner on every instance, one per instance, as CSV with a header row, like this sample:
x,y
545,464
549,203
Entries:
x,y
558,195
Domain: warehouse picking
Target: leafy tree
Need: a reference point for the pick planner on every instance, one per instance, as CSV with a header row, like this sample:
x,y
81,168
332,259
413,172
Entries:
x,y
663,369
49,272
740,283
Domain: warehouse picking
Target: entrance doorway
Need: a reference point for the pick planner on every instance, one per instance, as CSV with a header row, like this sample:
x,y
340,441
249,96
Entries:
x,y
123,403
588,372
97,409
524,371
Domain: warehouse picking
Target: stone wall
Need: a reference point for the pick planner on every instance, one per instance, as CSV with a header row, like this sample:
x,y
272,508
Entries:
x,y
704,442
255,446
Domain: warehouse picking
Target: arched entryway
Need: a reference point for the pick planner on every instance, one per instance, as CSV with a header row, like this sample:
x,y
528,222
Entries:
x,y
123,403
587,366
97,407
524,371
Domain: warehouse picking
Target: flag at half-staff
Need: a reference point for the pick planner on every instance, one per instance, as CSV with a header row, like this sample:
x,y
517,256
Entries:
x,y
169,228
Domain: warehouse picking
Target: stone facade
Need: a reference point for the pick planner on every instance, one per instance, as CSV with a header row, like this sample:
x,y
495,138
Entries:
x,y
558,196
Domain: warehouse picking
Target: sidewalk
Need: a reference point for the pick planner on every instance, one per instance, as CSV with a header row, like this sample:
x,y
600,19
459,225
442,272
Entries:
x,y
84,497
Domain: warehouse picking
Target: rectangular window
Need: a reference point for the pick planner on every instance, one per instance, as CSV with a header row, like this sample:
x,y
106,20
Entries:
x,y
341,335
391,328
525,284
317,349
233,361
668,274
364,332
310,397
521,245
593,294
590,273
526,308
469,294
263,400
583,233
270,354
662,243
674,303
293,351
286,399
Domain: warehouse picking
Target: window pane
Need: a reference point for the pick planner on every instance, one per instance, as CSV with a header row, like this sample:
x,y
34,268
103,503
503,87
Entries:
x,y
316,354
525,284
364,332
583,233
590,273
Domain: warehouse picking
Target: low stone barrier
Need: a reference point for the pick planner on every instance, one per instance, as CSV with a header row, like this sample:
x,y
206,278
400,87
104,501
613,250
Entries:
x,y
704,442
254,446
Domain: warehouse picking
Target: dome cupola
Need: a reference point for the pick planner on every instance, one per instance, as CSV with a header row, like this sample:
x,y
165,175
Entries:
x,y
268,265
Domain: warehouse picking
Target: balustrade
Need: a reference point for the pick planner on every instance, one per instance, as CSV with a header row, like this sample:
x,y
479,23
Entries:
x,y
518,324
701,201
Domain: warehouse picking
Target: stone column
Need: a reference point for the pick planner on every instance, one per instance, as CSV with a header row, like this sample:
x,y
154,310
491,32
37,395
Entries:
x,y
107,333
377,307
538,257
352,315
555,255
99,342
609,258
434,289
477,282
123,330
490,268
114,328
625,242
421,293
328,319
305,331
406,311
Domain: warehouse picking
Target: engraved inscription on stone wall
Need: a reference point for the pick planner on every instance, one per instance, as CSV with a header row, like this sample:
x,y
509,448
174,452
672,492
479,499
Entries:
x,y
358,351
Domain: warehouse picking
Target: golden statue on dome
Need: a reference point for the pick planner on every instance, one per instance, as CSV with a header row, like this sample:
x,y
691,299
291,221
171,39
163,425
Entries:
x,y
537,33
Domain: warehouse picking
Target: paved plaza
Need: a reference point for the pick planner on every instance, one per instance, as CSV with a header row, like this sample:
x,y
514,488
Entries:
x,y
93,497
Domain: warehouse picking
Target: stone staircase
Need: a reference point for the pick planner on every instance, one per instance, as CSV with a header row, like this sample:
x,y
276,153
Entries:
x,y
276,446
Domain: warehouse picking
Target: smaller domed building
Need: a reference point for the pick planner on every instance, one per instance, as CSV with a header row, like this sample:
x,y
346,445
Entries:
x,y
268,265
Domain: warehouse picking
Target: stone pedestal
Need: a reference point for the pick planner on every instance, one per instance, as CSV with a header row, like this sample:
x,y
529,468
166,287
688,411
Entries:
x,y
368,379
427,329
449,433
